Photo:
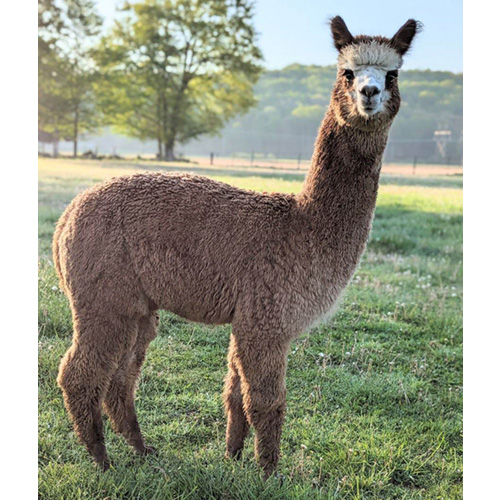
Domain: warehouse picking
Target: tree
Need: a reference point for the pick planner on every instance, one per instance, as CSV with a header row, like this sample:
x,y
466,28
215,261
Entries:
x,y
50,104
66,70
176,69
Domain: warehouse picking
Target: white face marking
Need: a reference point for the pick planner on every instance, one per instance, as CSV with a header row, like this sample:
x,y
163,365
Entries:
x,y
370,92
370,63
369,54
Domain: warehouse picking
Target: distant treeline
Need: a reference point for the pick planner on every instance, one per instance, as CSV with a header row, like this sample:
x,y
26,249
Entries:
x,y
173,77
290,105
293,100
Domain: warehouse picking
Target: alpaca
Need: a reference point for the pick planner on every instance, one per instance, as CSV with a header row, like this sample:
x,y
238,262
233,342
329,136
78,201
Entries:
x,y
269,264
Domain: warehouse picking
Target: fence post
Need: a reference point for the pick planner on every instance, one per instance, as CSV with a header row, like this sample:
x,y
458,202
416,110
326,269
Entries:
x,y
211,158
298,161
414,165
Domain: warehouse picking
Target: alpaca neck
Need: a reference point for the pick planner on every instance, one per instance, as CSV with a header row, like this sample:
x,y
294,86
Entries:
x,y
340,190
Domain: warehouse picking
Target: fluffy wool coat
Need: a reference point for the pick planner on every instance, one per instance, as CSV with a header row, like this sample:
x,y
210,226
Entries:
x,y
269,264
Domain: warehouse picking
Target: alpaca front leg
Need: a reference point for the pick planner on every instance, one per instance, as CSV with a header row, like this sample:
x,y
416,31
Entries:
x,y
237,423
262,368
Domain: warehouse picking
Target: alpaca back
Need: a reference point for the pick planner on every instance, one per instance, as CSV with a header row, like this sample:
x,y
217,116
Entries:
x,y
191,245
198,245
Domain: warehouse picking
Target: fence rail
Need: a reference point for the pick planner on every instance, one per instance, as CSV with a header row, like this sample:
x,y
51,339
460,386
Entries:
x,y
258,146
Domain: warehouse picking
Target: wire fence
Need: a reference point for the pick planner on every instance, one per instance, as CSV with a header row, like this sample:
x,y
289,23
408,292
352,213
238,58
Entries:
x,y
269,146
255,147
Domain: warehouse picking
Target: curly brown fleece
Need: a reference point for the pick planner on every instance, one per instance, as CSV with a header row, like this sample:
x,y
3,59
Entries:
x,y
269,264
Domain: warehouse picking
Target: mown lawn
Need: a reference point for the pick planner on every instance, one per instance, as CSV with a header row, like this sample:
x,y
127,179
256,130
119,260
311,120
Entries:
x,y
374,396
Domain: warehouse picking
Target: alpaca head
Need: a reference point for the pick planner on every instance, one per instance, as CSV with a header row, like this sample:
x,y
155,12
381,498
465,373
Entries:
x,y
366,94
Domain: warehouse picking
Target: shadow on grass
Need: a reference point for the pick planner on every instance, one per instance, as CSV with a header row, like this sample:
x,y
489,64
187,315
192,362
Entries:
x,y
412,232
442,181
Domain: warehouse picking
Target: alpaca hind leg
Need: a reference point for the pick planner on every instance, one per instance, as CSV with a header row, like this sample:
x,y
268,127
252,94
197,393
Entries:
x,y
85,374
119,401
237,423
262,367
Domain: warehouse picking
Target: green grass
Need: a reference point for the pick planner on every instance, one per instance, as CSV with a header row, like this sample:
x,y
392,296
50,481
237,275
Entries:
x,y
374,396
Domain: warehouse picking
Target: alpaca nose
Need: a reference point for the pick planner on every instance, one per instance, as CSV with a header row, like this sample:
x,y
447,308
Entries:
x,y
370,90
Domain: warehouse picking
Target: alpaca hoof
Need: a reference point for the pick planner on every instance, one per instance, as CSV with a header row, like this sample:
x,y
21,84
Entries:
x,y
98,453
270,470
234,454
140,448
149,450
104,465
145,450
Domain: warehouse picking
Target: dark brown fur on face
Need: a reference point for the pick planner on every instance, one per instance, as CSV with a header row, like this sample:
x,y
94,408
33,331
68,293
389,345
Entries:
x,y
270,264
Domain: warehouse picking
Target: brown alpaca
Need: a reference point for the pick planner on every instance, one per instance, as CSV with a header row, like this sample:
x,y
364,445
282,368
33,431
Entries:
x,y
269,264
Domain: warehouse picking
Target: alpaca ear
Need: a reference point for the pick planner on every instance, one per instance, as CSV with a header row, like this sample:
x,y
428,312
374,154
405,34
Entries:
x,y
401,41
341,35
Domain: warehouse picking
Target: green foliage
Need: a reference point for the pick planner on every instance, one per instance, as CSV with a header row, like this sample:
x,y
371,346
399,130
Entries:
x,y
374,395
293,100
66,71
432,100
174,70
52,107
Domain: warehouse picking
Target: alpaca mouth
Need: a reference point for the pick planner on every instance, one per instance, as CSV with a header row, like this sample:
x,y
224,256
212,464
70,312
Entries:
x,y
371,106
369,109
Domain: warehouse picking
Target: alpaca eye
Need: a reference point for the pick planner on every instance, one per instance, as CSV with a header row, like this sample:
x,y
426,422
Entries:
x,y
391,75
349,75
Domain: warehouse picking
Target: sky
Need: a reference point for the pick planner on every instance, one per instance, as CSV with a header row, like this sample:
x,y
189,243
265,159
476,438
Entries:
x,y
296,31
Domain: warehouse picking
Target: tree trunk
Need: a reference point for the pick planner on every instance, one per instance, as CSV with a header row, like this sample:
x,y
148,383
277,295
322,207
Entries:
x,y
169,151
75,135
159,117
160,149
55,144
171,133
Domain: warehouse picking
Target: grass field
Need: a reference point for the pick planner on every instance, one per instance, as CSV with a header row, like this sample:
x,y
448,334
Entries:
x,y
374,396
